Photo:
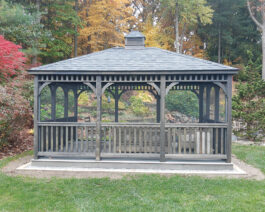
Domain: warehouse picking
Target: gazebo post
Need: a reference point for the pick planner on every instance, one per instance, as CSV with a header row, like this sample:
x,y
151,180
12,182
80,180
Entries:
x,y
216,104
76,104
98,123
208,99
229,118
36,116
162,117
116,98
201,103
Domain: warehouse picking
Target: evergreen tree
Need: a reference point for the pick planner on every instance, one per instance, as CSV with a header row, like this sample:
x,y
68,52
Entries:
x,y
231,34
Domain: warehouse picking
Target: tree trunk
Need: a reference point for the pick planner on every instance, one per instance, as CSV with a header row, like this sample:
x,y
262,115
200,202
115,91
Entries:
x,y
75,36
34,58
263,39
263,53
261,27
182,38
177,27
219,43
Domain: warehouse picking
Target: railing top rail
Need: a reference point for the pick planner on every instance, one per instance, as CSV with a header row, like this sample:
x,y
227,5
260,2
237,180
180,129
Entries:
x,y
115,124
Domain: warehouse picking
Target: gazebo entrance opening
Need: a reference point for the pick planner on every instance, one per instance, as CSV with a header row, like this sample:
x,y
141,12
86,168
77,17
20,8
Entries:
x,y
190,115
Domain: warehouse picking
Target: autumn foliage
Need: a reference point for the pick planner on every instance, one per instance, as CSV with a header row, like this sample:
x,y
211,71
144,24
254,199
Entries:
x,y
11,59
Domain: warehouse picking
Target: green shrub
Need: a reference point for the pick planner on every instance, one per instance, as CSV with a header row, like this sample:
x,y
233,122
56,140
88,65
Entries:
x,y
185,102
249,106
137,106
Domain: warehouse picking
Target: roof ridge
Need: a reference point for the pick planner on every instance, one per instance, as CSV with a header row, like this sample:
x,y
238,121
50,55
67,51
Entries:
x,y
192,57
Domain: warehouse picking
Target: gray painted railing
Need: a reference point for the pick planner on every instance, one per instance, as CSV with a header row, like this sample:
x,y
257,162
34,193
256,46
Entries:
x,y
132,139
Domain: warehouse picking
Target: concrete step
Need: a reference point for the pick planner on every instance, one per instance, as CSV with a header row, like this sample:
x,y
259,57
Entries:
x,y
134,164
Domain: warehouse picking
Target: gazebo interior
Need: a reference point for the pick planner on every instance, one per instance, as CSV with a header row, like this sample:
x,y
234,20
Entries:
x,y
133,103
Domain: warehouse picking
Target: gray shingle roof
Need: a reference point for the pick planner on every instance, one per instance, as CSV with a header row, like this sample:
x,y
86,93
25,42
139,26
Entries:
x,y
125,60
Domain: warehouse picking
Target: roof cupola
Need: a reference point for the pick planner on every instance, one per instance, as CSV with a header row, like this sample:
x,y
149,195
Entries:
x,y
134,40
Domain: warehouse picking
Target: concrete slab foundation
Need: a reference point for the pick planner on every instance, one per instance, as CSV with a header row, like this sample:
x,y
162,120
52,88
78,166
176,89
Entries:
x,y
180,167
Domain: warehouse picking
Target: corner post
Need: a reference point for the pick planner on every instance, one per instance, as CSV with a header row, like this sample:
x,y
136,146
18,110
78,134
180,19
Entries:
x,y
36,116
229,119
98,123
162,118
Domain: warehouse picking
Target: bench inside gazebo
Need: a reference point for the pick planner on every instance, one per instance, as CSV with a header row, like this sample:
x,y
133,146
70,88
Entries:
x,y
134,67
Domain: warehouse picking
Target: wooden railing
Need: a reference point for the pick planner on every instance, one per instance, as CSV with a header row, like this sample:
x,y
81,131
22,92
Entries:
x,y
117,139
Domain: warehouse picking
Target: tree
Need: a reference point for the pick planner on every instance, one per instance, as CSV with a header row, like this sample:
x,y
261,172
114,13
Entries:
x,y
106,23
23,27
260,9
11,59
231,35
61,19
185,13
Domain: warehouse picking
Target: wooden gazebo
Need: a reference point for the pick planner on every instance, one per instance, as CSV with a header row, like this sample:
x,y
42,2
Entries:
x,y
134,67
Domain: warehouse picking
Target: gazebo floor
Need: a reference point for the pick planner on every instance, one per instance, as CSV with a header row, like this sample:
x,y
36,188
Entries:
x,y
112,164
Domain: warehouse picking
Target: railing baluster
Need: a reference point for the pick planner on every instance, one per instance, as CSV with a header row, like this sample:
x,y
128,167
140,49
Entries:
x,y
145,141
82,139
135,139
130,141
208,142
185,139
125,139
72,138
66,138
203,141
56,139
61,139
211,141
150,140
110,135
119,139
174,140
216,140
222,142
190,139
168,141
87,142
104,136
114,139
42,137
140,140
52,138
179,140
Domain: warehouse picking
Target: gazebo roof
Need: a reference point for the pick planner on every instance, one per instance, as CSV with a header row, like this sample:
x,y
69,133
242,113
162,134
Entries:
x,y
122,59
126,60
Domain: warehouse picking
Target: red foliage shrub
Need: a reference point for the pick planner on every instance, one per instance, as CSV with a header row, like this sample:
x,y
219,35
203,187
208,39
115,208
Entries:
x,y
11,59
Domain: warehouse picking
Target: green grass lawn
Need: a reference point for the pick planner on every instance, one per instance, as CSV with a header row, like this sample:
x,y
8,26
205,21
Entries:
x,y
254,155
141,193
